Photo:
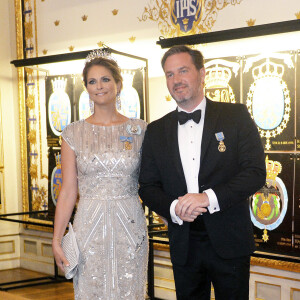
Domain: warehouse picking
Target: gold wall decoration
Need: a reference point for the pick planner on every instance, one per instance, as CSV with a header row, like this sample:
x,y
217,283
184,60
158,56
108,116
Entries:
x,y
251,22
41,199
168,98
84,18
132,39
115,12
177,18
297,14
28,29
32,137
45,51
71,48
33,171
56,22
30,102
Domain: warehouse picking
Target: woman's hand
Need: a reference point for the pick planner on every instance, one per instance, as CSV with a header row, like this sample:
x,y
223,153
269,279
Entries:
x,y
59,256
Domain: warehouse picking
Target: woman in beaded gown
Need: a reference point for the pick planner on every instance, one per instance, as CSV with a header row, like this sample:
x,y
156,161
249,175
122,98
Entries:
x,y
100,158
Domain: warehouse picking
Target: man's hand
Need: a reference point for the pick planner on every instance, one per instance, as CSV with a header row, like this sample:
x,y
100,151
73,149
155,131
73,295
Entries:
x,y
190,206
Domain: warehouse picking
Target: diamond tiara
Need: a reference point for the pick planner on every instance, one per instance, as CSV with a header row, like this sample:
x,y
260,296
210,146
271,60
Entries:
x,y
103,53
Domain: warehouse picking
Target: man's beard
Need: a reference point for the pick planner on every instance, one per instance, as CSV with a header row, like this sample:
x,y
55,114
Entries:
x,y
180,99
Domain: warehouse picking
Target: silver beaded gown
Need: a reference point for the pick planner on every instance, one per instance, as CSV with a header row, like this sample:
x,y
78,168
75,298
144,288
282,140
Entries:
x,y
109,223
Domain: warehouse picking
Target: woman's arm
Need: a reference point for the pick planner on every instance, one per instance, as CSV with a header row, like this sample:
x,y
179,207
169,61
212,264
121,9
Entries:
x,y
66,201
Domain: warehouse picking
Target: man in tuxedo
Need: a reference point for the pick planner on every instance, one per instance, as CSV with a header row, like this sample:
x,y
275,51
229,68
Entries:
x,y
200,163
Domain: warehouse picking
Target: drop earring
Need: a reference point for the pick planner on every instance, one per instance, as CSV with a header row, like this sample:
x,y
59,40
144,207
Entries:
x,y
91,106
118,102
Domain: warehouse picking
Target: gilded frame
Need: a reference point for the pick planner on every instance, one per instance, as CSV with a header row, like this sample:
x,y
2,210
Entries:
x,y
25,34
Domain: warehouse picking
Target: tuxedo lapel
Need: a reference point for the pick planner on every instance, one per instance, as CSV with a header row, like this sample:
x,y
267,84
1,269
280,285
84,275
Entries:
x,y
211,116
172,142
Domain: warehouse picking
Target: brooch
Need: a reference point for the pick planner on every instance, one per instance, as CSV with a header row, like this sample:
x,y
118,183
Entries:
x,y
134,129
127,140
220,137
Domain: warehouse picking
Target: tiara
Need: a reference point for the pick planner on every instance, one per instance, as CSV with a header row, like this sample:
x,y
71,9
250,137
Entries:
x,y
99,53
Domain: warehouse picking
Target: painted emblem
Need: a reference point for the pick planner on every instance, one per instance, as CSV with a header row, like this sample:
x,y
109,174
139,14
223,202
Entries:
x,y
59,106
186,14
273,113
217,78
56,179
268,206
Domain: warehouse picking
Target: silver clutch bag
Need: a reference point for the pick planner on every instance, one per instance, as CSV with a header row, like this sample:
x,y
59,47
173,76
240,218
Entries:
x,y
71,251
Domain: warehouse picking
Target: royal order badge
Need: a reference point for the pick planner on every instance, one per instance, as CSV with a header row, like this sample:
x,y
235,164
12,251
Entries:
x,y
220,137
127,140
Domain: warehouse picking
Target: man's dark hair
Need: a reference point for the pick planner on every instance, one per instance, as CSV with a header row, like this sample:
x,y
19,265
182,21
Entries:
x,y
196,55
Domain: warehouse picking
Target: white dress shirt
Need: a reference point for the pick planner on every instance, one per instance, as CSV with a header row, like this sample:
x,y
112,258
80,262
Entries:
x,y
189,141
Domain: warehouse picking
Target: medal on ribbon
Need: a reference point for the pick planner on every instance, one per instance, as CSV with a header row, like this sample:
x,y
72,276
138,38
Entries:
x,y
127,141
220,138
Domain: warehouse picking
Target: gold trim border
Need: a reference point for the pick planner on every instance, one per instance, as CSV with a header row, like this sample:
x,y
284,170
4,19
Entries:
x,y
275,276
22,107
276,264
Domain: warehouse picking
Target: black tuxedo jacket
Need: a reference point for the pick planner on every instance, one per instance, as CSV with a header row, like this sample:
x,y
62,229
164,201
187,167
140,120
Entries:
x,y
233,175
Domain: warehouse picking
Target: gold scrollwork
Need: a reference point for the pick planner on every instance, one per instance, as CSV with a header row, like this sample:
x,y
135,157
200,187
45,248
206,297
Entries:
x,y
161,11
40,199
32,136
28,30
33,171
30,101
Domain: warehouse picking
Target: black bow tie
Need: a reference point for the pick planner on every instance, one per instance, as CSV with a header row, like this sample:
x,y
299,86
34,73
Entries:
x,y
183,117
